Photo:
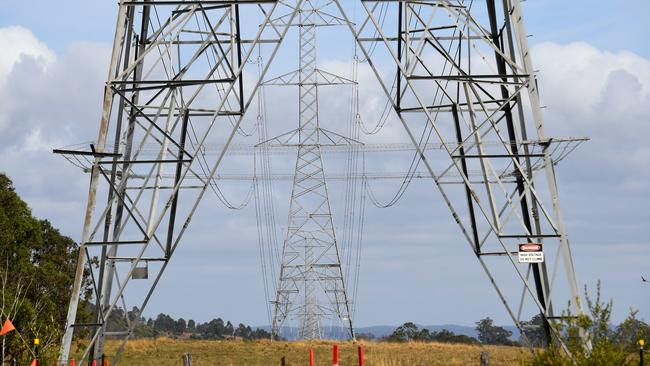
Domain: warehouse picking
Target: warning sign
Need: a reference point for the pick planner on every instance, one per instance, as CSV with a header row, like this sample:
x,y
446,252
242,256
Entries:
x,y
531,253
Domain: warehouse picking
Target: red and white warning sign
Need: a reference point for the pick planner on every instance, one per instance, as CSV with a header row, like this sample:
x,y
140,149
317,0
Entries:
x,y
531,253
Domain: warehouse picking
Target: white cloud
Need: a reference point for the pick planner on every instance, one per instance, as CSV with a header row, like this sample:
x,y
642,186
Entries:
x,y
34,142
578,79
603,95
17,42
46,101
18,45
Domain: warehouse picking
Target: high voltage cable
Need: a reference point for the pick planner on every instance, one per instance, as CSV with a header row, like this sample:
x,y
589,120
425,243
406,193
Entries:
x,y
417,157
265,209
352,239
202,160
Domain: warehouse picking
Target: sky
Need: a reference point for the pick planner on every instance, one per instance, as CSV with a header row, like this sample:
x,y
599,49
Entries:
x,y
594,74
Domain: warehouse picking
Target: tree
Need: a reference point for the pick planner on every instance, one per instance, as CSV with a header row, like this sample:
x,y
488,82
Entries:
x,y
446,336
164,324
116,320
37,266
578,332
142,330
243,331
229,330
180,327
191,325
260,333
492,334
408,332
135,315
630,331
534,332
405,333
214,329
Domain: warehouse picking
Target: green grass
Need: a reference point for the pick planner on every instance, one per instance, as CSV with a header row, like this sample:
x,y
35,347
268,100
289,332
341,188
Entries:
x,y
165,351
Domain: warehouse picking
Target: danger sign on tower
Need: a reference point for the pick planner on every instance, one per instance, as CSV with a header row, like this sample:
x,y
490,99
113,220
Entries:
x,y
531,253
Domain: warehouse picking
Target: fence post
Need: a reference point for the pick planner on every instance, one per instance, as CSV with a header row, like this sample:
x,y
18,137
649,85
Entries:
x,y
283,361
485,359
335,355
361,356
187,359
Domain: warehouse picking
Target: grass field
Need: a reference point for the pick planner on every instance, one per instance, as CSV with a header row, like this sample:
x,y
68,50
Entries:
x,y
165,351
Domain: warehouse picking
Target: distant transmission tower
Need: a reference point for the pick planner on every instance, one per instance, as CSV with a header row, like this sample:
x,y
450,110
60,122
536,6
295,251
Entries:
x,y
311,286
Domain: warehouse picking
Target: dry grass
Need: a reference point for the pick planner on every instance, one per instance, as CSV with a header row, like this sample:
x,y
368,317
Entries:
x,y
165,351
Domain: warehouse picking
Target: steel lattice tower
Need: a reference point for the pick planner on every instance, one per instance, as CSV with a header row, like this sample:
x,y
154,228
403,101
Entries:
x,y
464,81
175,79
311,285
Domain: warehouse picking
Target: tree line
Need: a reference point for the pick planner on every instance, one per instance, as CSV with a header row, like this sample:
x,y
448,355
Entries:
x,y
409,332
487,333
37,266
164,325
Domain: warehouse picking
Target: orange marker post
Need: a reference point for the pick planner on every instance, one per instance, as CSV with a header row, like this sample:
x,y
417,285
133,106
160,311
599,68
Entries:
x,y
335,355
360,355
311,357
72,363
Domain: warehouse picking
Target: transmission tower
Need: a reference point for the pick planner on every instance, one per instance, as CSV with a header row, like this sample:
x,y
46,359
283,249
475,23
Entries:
x,y
458,77
311,285
176,78
463,73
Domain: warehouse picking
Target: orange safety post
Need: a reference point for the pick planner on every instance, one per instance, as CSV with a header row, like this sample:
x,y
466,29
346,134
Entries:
x,y
94,362
104,362
335,355
360,355
72,363
311,357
